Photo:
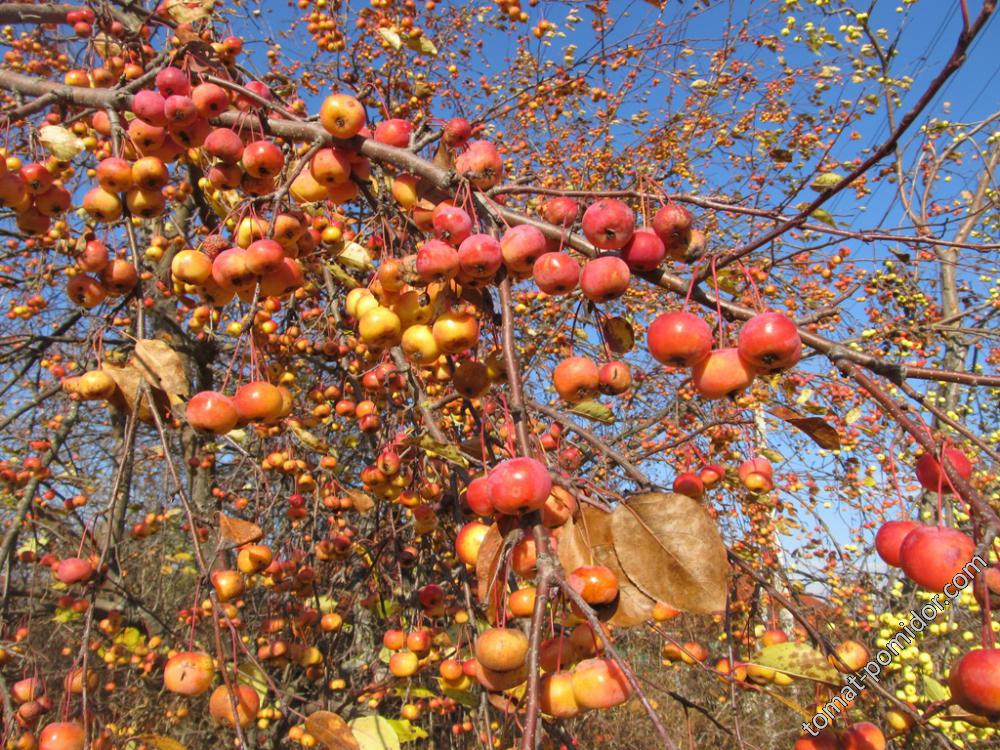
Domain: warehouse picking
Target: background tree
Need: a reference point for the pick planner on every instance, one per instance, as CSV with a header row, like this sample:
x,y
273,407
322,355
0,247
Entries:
x,y
483,375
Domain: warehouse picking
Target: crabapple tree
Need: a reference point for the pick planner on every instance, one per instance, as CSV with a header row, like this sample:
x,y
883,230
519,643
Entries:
x,y
481,375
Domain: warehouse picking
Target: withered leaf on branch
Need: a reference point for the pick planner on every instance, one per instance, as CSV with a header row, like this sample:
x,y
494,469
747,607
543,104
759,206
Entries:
x,y
161,367
188,11
595,525
572,549
822,432
669,547
130,395
587,540
632,606
239,532
589,528
360,500
331,731
488,560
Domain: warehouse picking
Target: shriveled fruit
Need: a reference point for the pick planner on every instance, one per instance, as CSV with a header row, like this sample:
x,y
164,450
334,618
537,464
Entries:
x,y
188,673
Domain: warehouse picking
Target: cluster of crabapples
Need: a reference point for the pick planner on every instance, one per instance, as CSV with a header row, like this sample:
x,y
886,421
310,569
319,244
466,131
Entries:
x,y
576,675
937,559
755,474
767,343
861,736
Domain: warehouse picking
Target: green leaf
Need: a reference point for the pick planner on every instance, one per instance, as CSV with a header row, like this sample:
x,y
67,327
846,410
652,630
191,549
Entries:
x,y
464,697
594,410
130,638
374,733
253,676
798,660
935,690
386,608
771,455
825,181
66,615
406,731
824,217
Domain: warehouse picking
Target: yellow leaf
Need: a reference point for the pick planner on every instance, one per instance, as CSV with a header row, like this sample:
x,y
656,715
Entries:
x,y
771,455
374,733
160,742
60,142
355,256
308,439
434,448
825,181
798,660
252,676
331,731
105,46
421,44
188,11
391,38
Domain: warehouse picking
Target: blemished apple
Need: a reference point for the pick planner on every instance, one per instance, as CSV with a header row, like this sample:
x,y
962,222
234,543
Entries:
x,y
609,224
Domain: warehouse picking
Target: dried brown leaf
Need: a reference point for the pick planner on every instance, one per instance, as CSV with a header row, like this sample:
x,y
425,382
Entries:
x,y
595,524
502,703
330,731
362,501
619,334
587,540
632,606
822,432
572,549
488,560
161,366
444,157
129,394
239,532
669,548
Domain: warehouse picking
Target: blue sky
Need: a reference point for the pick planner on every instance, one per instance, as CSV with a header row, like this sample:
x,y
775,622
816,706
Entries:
x,y
927,32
